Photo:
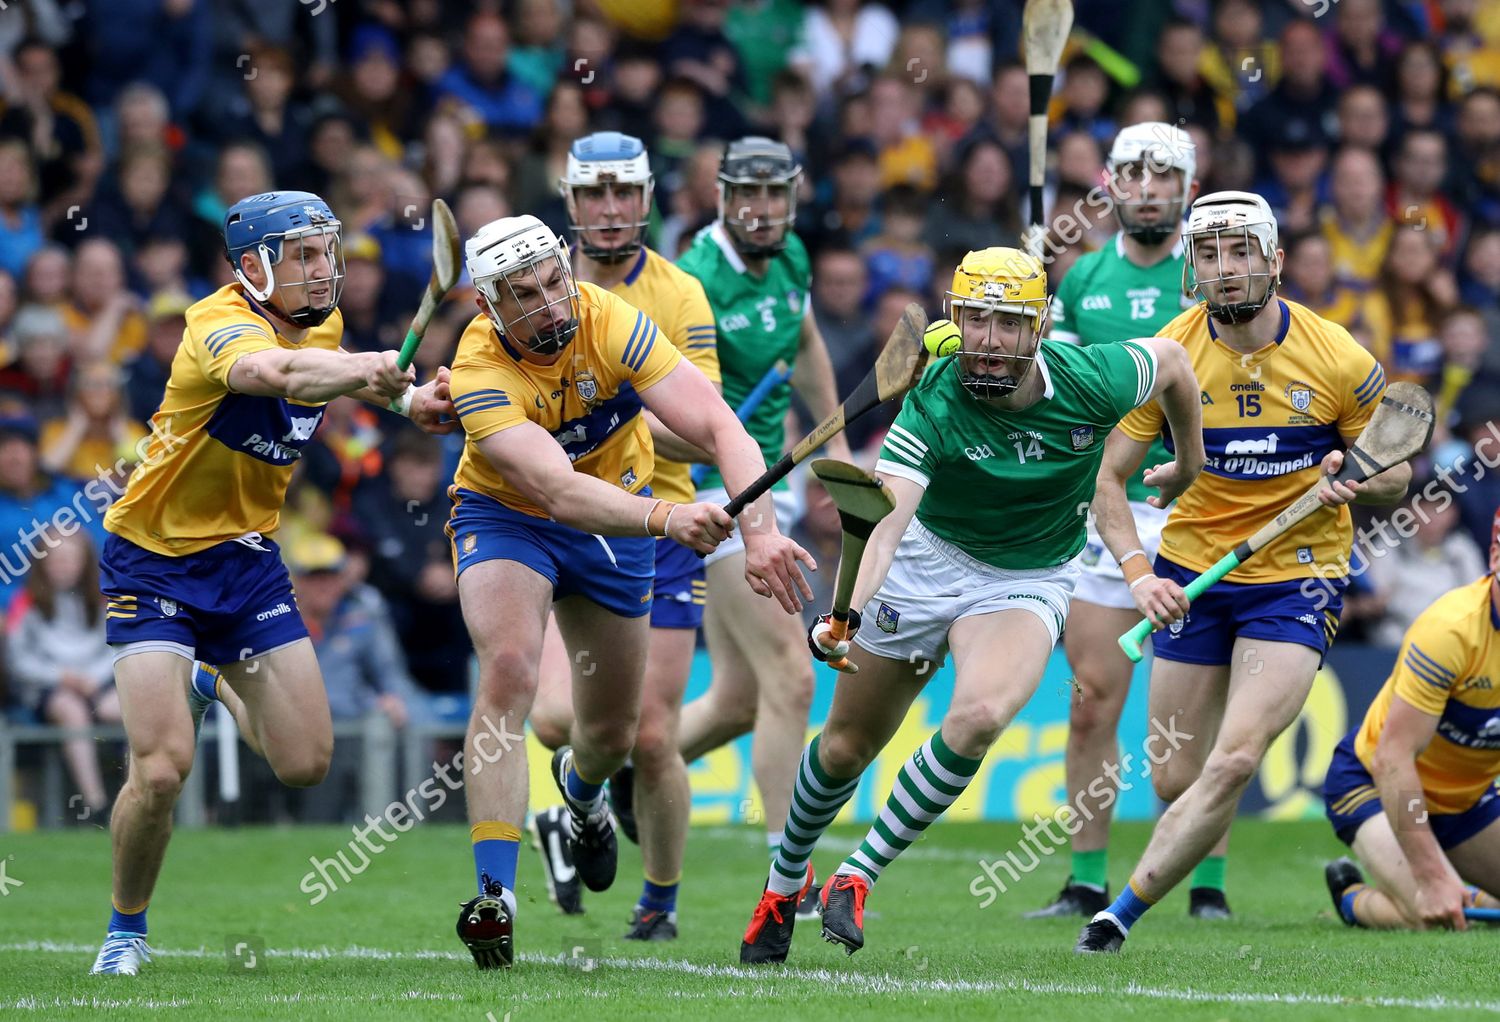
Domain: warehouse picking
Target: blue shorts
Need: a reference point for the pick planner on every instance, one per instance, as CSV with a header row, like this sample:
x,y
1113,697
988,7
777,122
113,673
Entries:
x,y
1350,798
1274,611
681,587
228,603
615,572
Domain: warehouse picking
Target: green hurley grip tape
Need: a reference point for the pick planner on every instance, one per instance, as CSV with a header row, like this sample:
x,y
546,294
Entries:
x,y
408,350
1131,641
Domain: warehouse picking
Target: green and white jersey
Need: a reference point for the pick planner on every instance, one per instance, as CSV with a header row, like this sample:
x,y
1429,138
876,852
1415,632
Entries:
x,y
759,320
1013,488
1106,297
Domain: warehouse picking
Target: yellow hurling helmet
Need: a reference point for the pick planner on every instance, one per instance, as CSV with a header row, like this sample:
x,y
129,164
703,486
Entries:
x,y
998,281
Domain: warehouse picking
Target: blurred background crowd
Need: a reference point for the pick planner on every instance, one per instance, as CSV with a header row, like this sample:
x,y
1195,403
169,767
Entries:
x,y
128,126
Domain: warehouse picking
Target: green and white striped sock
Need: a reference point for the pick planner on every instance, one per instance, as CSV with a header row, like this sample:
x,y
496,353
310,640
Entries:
x,y
816,800
929,782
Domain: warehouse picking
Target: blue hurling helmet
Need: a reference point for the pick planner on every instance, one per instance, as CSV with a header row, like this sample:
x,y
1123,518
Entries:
x,y
262,224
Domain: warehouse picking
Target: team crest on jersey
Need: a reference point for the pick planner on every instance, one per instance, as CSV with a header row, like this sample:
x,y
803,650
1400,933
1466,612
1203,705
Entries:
x,y
627,480
1082,437
1300,395
168,607
887,619
587,387
1176,626
794,300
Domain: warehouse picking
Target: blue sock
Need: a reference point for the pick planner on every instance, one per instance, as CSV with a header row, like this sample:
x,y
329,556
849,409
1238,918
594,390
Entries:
x,y
580,790
497,847
1128,907
1346,903
658,897
128,922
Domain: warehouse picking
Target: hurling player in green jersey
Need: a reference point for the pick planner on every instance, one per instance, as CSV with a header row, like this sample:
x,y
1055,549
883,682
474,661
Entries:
x,y
755,273
1130,288
992,461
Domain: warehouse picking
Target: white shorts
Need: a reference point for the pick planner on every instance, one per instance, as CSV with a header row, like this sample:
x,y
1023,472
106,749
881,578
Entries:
x,y
784,501
933,583
1102,582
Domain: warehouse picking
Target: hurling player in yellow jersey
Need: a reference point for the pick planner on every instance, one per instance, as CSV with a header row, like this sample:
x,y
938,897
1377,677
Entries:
x,y
552,509
188,569
1283,392
1415,788
607,189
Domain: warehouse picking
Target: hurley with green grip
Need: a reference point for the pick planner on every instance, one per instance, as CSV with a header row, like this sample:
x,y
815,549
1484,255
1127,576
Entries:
x,y
447,260
1399,429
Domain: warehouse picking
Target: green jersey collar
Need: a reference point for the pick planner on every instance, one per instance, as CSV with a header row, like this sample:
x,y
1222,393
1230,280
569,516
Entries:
x,y
1178,250
731,255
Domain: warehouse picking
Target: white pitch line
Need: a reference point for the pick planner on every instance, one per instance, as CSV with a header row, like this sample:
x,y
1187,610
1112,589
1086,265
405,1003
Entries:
x,y
883,983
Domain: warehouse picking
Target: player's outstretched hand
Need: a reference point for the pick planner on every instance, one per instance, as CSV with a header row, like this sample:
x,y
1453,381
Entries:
x,y
384,377
820,637
1160,600
700,527
432,405
1170,480
771,569
1440,904
1336,492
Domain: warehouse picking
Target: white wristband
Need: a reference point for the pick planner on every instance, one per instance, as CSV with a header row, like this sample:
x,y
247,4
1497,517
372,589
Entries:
x,y
1131,553
402,405
666,526
1139,581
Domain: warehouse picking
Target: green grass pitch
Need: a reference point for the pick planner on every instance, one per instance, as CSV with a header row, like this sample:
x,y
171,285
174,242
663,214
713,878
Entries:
x,y
383,947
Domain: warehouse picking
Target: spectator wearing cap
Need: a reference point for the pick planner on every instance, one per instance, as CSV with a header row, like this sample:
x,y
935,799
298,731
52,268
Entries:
x,y
20,216
146,375
58,127
364,671
37,508
1303,90
700,52
103,314
1296,187
404,511
61,667
976,209
372,91
40,371
843,43
1355,222
1415,196
1362,49
1364,118
267,115
483,83
97,432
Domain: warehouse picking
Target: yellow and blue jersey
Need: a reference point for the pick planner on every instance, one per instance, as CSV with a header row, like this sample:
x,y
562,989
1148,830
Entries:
x,y
219,462
1449,667
1269,418
677,305
589,399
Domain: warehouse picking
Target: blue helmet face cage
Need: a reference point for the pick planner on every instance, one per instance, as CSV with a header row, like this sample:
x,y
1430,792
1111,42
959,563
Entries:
x,y
263,225
631,244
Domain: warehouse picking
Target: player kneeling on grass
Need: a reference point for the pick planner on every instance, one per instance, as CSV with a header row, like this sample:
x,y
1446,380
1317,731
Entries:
x,y
992,461
552,510
187,569
1428,755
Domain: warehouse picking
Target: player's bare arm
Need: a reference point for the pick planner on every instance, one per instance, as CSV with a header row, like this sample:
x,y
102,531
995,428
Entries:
x,y
690,407
528,457
430,406
315,375
813,380
1440,891
671,446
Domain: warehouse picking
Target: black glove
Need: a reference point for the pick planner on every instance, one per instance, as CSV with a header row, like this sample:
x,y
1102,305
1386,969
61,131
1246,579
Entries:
x,y
817,651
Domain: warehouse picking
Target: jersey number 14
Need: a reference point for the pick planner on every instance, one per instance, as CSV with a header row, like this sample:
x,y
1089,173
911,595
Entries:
x,y
1032,450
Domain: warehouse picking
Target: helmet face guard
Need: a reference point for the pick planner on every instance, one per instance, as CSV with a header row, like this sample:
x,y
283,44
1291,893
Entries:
x,y
1256,239
754,170
1129,212
535,289
989,286
631,234
263,225
305,314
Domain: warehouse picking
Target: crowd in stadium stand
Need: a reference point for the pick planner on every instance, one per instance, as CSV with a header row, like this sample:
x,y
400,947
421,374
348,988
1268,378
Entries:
x,y
129,126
